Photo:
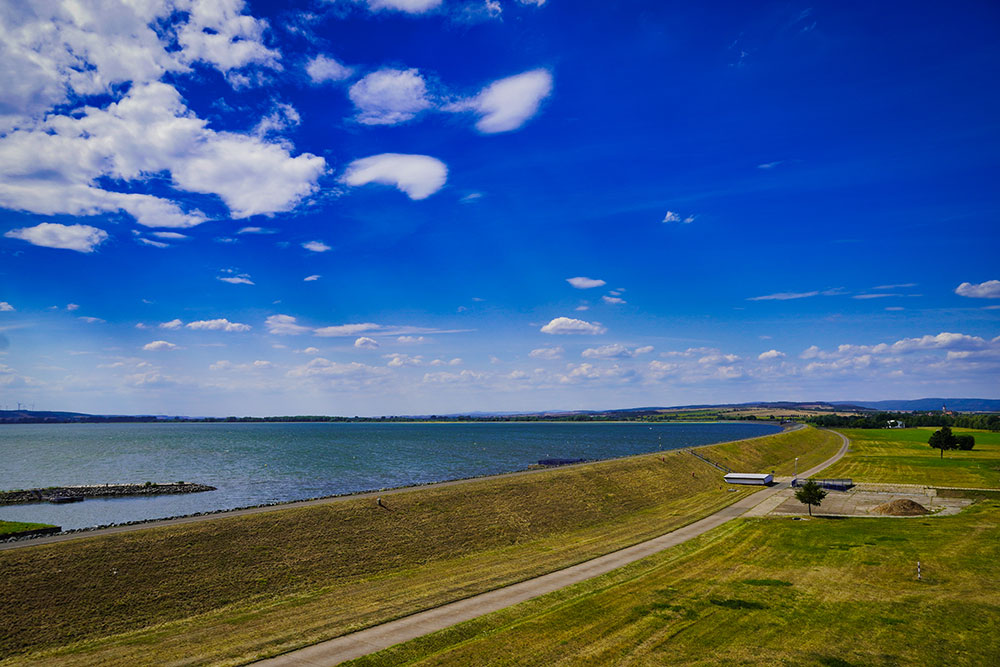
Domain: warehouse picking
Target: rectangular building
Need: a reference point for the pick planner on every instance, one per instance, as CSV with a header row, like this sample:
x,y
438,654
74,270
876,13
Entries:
x,y
757,479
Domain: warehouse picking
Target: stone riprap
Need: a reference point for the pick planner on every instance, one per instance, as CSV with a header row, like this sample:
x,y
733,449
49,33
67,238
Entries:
x,y
57,493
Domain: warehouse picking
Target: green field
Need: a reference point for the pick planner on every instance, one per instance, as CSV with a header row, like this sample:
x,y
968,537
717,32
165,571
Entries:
x,y
231,589
755,591
8,527
903,456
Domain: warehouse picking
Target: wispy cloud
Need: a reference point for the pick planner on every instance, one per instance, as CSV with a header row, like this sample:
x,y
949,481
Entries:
x,y
783,296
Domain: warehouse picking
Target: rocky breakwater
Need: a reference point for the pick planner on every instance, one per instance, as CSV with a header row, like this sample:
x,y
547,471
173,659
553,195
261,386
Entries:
x,y
62,494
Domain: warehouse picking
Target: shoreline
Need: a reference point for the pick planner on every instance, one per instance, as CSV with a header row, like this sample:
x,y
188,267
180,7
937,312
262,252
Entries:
x,y
78,533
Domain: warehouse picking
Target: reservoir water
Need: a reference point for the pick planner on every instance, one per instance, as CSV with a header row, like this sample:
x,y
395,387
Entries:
x,y
258,463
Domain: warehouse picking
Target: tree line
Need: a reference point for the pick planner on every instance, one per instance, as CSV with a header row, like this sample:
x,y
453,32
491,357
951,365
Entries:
x,y
986,422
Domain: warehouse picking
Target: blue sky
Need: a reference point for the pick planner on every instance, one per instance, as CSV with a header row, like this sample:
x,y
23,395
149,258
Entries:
x,y
415,206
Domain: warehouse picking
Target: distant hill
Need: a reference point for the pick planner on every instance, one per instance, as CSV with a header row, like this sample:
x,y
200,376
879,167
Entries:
x,y
932,404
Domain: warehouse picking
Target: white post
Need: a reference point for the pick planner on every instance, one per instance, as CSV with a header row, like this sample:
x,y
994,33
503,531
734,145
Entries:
x,y
796,476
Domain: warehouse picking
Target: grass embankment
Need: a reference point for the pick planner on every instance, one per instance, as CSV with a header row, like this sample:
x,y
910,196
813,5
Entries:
x,y
762,591
903,456
10,527
231,589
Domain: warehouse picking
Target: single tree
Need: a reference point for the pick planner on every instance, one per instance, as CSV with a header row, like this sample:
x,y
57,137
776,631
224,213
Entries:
x,y
965,441
810,494
943,440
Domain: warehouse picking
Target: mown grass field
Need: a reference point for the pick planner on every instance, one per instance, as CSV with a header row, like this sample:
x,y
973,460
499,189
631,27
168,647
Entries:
x,y
762,591
8,527
232,589
903,456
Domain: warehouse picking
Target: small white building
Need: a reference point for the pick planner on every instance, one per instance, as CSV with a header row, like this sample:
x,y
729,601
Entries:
x,y
894,423
757,479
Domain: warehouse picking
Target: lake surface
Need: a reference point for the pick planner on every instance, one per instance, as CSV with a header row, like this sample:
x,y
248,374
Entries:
x,y
253,464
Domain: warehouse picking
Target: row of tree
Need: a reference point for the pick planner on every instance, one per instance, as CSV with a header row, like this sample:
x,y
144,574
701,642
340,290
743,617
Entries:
x,y
986,422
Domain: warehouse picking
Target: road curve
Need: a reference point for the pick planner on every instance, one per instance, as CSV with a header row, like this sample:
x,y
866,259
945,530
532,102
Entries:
x,y
376,638
112,530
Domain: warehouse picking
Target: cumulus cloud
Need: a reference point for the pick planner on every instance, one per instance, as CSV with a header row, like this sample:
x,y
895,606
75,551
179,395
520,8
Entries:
x,y
312,278
236,279
389,96
366,343
411,339
159,345
509,103
324,68
581,282
221,324
338,375
407,6
568,325
615,351
547,353
783,296
316,246
6,307
172,324
613,300
55,166
419,176
284,325
986,290
770,355
82,238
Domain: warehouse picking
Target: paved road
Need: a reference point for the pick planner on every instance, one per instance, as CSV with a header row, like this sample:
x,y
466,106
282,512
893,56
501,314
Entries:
x,y
379,637
301,503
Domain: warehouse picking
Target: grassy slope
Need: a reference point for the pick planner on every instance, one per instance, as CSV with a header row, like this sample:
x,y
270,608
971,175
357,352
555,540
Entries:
x,y
244,586
8,527
762,591
903,456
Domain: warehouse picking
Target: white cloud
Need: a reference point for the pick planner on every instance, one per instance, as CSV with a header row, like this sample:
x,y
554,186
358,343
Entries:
x,y
509,103
346,329
671,217
312,278
537,3
615,351
284,325
345,376
408,6
547,353
366,343
398,360
411,339
221,324
770,355
613,300
6,307
282,117
987,290
56,165
874,296
151,242
72,306
783,296
234,278
581,282
309,350
257,230
316,246
82,238
90,320
582,307
568,325
389,96
419,176
169,235
172,324
220,34
159,345
324,68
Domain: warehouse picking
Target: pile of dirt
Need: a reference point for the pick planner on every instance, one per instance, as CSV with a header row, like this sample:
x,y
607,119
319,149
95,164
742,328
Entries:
x,y
901,507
